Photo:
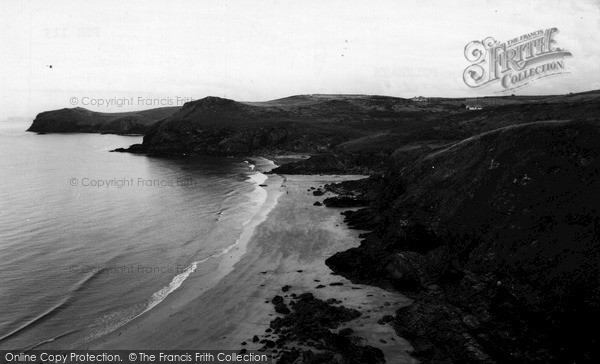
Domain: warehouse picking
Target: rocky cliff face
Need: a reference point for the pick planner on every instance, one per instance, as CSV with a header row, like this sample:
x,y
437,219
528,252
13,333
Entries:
x,y
80,120
496,237
336,163
309,124
184,137
348,133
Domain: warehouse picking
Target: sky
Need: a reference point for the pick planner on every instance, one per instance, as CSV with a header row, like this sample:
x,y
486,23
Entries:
x,y
149,52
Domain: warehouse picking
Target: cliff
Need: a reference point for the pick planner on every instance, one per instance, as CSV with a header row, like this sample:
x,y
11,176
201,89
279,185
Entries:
x,y
80,120
496,239
306,123
414,129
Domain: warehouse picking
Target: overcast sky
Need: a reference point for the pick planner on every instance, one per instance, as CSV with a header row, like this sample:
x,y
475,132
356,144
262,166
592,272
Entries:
x,y
262,50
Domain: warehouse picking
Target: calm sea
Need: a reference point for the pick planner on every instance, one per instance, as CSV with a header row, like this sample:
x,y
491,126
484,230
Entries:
x,y
91,239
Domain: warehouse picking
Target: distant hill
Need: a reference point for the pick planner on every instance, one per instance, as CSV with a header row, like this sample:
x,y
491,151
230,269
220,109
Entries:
x,y
496,239
80,120
339,125
411,129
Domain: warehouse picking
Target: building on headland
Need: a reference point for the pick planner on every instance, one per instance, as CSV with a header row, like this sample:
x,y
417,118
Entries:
x,y
474,107
419,99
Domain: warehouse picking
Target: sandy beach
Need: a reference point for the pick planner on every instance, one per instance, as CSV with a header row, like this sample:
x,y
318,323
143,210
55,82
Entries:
x,y
286,243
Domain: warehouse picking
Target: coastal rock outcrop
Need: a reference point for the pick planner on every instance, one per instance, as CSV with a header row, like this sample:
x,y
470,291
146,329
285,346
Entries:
x,y
496,240
307,333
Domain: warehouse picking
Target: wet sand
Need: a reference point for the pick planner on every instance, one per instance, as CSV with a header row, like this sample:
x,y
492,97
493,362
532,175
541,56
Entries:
x,y
286,244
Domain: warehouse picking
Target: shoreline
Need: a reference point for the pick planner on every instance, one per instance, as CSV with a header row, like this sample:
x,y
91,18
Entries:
x,y
287,245
211,270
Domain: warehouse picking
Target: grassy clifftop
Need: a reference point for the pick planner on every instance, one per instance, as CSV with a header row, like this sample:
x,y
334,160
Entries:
x,y
418,128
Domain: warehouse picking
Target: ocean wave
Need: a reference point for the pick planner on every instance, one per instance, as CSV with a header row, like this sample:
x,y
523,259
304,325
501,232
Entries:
x,y
52,339
258,178
40,318
259,196
160,295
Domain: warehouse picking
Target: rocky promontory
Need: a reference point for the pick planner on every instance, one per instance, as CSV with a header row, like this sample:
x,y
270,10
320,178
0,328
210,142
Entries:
x,y
222,127
80,120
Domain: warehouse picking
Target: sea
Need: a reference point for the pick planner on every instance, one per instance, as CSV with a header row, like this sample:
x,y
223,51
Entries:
x,y
91,239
